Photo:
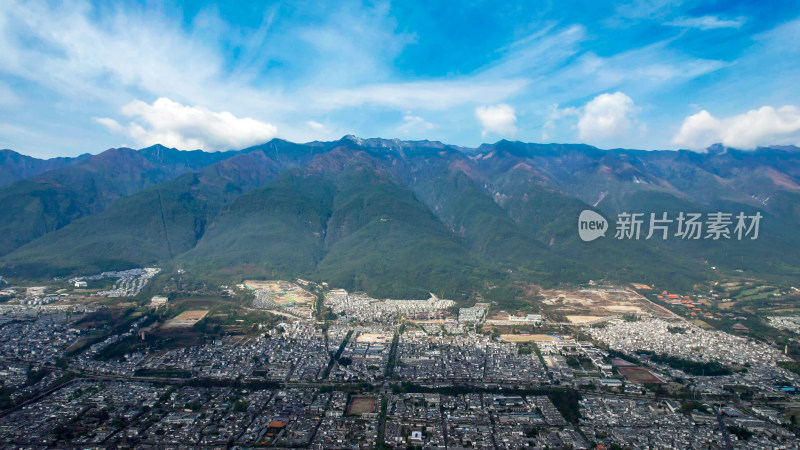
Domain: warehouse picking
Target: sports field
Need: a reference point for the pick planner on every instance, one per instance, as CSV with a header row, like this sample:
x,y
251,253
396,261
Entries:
x,y
361,405
375,338
639,375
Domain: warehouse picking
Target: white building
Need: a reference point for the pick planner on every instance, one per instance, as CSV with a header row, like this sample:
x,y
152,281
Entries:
x,y
158,301
530,318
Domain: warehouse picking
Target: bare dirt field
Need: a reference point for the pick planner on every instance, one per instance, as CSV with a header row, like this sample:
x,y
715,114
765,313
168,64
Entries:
x,y
590,304
186,319
583,319
623,308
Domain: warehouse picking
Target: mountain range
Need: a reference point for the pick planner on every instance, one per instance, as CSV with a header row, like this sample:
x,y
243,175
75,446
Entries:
x,y
396,218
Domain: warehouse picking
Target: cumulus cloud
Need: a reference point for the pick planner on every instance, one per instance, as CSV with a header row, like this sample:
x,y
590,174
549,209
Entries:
x,y
499,119
607,115
757,127
706,22
188,127
698,131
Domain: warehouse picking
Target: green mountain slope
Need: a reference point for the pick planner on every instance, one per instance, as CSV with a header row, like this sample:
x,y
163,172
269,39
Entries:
x,y
356,229
54,199
147,228
401,219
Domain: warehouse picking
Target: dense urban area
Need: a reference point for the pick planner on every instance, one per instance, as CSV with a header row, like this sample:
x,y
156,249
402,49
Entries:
x,y
120,360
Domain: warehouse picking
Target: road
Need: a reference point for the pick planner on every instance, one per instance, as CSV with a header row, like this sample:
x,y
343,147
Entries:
x,y
724,430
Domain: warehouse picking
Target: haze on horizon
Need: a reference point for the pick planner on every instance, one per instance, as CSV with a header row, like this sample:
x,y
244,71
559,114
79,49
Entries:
x,y
79,76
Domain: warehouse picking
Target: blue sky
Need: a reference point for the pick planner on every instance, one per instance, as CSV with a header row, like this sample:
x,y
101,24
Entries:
x,y
79,77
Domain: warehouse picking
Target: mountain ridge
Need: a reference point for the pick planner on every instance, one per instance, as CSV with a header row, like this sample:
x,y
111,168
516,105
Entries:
x,y
15,166
501,214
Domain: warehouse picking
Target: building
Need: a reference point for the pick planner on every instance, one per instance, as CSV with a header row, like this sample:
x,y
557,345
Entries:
x,y
739,328
36,291
80,284
529,319
158,301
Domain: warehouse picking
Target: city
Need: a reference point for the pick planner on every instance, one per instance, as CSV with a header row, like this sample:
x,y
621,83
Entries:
x,y
96,371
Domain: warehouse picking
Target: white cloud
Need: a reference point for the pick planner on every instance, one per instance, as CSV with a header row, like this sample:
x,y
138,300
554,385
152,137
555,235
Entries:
x,y
354,45
757,127
316,126
538,54
340,57
412,123
652,9
606,116
706,22
698,131
312,130
763,126
556,114
429,95
499,119
188,127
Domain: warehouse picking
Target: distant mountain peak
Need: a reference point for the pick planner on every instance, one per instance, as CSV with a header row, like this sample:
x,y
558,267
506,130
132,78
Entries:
x,y
394,144
352,138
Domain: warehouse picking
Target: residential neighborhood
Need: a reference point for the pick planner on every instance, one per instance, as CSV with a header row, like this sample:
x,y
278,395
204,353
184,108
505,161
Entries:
x,y
365,373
